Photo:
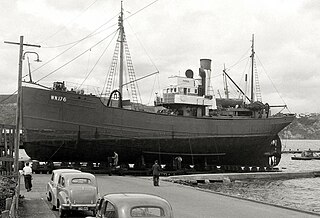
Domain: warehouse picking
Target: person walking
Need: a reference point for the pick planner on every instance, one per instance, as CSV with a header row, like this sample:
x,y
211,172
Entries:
x,y
155,173
27,173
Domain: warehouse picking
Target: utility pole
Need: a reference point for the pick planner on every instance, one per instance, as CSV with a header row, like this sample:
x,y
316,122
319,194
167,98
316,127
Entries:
x,y
18,111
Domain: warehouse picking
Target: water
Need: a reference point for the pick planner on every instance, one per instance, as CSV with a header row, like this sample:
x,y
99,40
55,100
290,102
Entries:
x,y
288,165
300,193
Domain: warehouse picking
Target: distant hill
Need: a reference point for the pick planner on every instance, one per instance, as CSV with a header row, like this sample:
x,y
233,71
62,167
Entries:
x,y
8,109
305,126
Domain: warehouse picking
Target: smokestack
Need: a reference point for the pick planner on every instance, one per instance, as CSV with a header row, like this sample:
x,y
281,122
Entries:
x,y
205,64
205,74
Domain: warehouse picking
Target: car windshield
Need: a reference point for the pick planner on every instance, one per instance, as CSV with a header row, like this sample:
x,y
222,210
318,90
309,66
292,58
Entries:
x,y
81,181
147,212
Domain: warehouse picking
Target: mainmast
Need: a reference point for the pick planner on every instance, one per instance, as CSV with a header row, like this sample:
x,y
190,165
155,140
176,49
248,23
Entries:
x,y
121,49
252,65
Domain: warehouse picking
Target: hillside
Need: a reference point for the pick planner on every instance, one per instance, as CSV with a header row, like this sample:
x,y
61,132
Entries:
x,y
8,109
305,126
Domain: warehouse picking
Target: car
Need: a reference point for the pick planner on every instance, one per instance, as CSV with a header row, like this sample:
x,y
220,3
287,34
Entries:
x,y
125,205
51,189
77,192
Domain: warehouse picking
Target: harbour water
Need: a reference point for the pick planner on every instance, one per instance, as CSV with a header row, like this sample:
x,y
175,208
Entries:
x,y
300,193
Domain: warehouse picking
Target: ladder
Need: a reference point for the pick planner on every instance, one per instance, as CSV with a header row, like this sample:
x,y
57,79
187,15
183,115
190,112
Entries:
x,y
256,78
112,69
131,73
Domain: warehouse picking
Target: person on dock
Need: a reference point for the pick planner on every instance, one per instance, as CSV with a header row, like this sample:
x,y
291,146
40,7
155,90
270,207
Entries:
x,y
178,161
156,173
115,159
27,173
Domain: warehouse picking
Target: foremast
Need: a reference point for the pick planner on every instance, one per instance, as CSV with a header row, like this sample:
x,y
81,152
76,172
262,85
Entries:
x,y
121,63
252,65
121,29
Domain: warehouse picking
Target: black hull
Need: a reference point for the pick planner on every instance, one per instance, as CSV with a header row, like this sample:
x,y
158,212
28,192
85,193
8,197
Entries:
x,y
73,127
194,152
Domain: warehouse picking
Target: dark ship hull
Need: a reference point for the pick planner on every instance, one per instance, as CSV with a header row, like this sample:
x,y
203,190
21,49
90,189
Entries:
x,y
65,126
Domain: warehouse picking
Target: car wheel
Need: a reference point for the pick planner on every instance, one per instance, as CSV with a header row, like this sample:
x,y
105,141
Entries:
x,y
62,213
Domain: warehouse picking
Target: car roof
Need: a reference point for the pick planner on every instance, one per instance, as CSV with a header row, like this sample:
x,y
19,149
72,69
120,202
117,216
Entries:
x,y
136,199
65,170
78,175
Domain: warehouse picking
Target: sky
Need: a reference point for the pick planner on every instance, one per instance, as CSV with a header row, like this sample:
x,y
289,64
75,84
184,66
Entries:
x,y
169,37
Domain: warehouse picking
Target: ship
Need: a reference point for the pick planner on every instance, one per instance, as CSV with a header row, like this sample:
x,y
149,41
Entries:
x,y
188,123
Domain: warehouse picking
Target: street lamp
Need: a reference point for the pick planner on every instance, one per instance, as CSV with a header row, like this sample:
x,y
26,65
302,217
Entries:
x,y
31,52
37,60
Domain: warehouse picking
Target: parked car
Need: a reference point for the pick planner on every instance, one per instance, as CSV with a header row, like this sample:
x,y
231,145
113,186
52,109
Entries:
x,y
127,205
51,190
76,192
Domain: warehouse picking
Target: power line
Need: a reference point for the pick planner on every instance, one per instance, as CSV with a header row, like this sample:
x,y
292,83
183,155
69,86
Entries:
x,y
97,60
59,30
75,58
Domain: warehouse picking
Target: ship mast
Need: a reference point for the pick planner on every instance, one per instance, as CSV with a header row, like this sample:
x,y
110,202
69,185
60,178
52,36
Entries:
x,y
252,63
121,50
226,90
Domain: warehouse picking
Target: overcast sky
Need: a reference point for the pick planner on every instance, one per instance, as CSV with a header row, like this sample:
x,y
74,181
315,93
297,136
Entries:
x,y
170,36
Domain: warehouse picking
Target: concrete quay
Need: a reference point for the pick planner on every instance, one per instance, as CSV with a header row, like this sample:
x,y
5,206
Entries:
x,y
229,177
187,202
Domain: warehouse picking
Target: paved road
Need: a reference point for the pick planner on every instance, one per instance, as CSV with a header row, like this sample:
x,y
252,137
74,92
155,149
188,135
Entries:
x,y
186,201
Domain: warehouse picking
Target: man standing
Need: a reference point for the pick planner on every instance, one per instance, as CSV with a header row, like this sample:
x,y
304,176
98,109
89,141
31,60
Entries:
x,y
115,159
156,172
27,173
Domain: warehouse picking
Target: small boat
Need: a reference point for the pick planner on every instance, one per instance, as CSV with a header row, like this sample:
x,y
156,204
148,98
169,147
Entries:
x,y
307,155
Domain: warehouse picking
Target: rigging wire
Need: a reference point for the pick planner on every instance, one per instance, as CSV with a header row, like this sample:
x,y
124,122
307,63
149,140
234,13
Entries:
x,y
75,43
108,22
240,60
145,50
150,59
3,100
75,57
271,80
94,33
141,9
98,59
59,30
88,36
152,90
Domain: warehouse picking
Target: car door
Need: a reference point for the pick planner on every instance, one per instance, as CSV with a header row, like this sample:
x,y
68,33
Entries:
x,y
109,210
51,190
61,193
99,208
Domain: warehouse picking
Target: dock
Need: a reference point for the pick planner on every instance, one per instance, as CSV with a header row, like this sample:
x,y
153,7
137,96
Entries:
x,y
186,201
298,151
229,177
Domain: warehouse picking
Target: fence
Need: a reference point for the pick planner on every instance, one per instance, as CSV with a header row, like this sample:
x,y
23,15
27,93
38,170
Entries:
x,y
11,187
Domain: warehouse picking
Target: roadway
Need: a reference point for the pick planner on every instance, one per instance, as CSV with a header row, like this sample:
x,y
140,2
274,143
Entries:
x,y
186,201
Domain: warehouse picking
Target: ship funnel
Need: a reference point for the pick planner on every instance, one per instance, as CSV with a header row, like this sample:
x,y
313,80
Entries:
x,y
205,64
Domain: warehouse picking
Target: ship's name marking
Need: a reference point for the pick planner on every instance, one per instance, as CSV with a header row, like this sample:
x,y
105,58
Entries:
x,y
58,98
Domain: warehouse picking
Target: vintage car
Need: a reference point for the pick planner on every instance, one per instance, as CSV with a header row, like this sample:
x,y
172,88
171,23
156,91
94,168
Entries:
x,y
77,192
51,190
127,205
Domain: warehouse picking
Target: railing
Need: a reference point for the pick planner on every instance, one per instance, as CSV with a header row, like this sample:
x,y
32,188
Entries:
x,y
7,136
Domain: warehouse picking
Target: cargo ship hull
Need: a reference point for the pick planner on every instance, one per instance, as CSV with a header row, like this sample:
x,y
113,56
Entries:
x,y
66,126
